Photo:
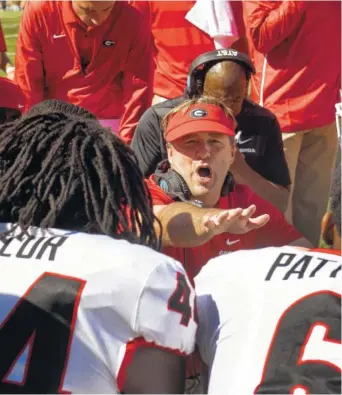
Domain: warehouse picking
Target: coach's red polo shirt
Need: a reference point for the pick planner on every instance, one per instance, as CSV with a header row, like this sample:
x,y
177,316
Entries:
x,y
277,232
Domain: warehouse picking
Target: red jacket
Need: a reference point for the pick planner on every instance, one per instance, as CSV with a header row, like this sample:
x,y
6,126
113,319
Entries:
x,y
116,83
277,232
296,48
3,47
177,42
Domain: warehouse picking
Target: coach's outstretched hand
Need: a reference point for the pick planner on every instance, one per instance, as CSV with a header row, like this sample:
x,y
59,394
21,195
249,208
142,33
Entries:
x,y
236,221
187,225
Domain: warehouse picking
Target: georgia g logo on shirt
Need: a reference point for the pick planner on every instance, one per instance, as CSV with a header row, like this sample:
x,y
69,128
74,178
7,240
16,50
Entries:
x,y
108,43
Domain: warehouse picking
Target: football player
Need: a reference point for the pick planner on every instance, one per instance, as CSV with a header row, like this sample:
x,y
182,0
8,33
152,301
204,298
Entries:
x,y
270,319
83,307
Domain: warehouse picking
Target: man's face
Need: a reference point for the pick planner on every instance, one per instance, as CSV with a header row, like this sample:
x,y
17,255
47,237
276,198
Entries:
x,y
203,160
93,13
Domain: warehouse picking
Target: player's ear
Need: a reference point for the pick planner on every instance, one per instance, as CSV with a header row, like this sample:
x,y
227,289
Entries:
x,y
327,228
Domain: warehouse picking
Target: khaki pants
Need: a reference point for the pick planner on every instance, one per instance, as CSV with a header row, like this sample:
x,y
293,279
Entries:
x,y
310,155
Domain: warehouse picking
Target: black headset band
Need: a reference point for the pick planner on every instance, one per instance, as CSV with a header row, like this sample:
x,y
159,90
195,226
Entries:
x,y
221,55
201,65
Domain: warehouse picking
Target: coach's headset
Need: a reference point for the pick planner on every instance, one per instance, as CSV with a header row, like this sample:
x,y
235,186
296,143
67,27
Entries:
x,y
169,180
200,66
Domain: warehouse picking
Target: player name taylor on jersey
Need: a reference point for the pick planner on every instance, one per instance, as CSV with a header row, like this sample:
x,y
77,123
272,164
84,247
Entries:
x,y
72,304
270,321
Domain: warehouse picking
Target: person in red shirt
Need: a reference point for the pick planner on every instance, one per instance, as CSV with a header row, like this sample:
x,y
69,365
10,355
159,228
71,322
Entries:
x,y
177,42
5,62
12,101
200,145
95,54
296,48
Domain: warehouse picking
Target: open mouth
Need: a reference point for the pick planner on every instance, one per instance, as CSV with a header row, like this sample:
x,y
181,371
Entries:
x,y
204,172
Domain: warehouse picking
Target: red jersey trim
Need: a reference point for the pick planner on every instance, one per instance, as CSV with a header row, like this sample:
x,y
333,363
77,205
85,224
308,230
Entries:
x,y
131,348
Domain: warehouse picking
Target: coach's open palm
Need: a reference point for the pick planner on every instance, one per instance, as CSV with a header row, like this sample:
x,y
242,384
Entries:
x,y
236,221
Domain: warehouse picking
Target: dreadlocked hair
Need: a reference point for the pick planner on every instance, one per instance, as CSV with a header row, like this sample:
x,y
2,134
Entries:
x,y
58,106
71,173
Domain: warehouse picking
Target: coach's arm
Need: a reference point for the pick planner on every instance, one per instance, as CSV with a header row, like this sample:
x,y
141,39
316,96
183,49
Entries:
x,y
186,225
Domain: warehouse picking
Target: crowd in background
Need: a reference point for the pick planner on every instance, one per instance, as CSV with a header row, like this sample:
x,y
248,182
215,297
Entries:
x,y
117,59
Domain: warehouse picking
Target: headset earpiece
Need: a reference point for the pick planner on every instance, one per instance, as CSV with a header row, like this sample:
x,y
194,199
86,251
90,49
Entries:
x,y
171,182
199,77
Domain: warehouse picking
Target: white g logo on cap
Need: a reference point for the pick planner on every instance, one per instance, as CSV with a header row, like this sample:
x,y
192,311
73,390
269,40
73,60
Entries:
x,y
198,113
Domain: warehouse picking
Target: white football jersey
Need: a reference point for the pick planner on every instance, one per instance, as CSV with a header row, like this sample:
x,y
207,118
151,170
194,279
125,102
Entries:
x,y
72,305
270,322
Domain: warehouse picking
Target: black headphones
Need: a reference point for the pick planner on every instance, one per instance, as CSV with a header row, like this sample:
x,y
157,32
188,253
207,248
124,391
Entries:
x,y
203,63
175,186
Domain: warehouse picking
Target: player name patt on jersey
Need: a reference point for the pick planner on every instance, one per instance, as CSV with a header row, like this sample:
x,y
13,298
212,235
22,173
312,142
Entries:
x,y
288,266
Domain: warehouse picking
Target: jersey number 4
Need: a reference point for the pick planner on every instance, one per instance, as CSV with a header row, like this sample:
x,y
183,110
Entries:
x,y
306,352
42,324
180,300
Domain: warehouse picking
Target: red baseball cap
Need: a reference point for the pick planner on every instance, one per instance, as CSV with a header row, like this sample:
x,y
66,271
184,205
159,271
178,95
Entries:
x,y
199,118
11,95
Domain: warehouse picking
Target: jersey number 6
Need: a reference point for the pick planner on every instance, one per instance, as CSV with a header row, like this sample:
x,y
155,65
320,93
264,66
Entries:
x,y
305,353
